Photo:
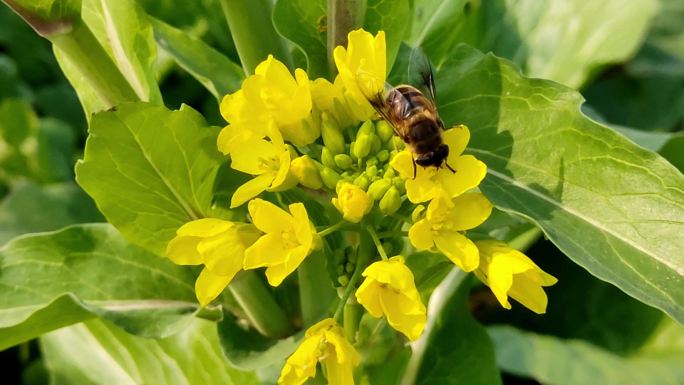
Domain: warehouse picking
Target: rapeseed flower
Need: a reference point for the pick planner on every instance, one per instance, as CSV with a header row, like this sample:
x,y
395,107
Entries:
x,y
352,202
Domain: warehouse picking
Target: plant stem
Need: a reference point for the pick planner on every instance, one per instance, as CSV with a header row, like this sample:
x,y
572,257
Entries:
x,y
388,234
376,241
365,254
332,229
343,16
253,32
352,316
259,306
316,292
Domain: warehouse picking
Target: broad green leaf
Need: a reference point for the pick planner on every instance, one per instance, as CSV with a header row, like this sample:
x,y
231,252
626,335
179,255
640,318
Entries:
x,y
96,353
303,22
51,10
150,170
217,73
555,361
393,17
56,279
30,208
454,348
560,40
612,207
123,29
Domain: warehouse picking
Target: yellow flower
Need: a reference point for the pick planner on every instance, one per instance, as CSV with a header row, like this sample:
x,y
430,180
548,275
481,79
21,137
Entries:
x,y
443,224
389,289
219,245
306,171
324,342
269,160
352,202
509,272
430,181
273,93
362,67
288,240
330,97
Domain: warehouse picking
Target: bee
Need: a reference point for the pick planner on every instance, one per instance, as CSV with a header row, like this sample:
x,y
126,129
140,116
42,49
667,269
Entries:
x,y
412,113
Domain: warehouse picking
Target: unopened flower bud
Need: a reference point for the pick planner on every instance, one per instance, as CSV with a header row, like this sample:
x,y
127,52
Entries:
x,y
349,267
395,144
371,171
383,155
371,161
378,188
362,181
332,135
384,130
390,202
362,146
306,171
352,202
399,183
376,144
343,280
327,158
367,128
343,161
417,213
389,173
329,177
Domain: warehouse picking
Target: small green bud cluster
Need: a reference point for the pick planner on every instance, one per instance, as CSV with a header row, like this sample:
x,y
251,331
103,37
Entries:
x,y
345,262
360,157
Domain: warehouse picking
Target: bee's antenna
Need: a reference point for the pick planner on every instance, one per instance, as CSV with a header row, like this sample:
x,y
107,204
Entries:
x,y
449,167
414,167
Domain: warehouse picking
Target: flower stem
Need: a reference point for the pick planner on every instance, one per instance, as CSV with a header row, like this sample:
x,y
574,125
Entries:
x,y
258,304
332,229
365,254
253,32
376,241
343,16
352,317
390,234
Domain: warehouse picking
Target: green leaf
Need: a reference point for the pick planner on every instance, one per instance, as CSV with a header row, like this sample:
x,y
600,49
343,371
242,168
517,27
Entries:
x,y
123,29
454,348
57,279
303,22
106,355
30,208
217,73
150,170
393,17
530,32
555,361
51,10
612,207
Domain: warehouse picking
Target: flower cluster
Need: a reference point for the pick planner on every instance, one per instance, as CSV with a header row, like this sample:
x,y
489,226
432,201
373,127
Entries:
x,y
325,138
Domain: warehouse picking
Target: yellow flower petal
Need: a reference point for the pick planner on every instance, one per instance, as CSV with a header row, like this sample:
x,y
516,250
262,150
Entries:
x,y
367,296
459,249
204,227
183,250
301,365
408,317
352,202
267,251
469,173
467,212
268,217
209,285
457,139
420,235
251,189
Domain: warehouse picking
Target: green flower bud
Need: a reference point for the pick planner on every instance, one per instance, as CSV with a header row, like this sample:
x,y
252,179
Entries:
x,y
395,144
343,280
340,269
329,177
417,213
376,144
384,130
349,267
371,171
362,146
352,145
399,183
383,155
343,161
371,161
351,254
306,171
389,173
362,181
378,188
390,202
332,135
327,158
367,128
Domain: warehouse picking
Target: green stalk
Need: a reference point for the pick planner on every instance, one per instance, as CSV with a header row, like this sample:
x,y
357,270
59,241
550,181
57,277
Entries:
x,y
315,290
71,37
366,252
253,32
259,306
352,317
343,16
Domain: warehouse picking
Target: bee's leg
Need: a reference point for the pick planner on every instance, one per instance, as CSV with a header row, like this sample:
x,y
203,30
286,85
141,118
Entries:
x,y
414,168
449,167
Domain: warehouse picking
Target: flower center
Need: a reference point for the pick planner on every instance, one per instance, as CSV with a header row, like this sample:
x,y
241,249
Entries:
x,y
270,164
289,239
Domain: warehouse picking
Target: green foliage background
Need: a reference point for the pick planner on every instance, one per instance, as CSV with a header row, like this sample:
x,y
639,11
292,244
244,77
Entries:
x,y
83,301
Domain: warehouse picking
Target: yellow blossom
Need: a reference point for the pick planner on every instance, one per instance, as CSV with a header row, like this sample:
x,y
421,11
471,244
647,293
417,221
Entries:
x,y
362,68
352,202
430,181
268,160
445,220
510,273
324,342
273,93
306,171
219,245
289,238
330,98
389,289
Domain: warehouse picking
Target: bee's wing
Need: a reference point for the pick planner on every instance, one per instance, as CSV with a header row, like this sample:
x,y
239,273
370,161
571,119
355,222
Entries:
x,y
420,74
378,99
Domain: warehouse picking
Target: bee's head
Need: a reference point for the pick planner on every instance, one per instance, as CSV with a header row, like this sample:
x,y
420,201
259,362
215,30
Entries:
x,y
434,158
